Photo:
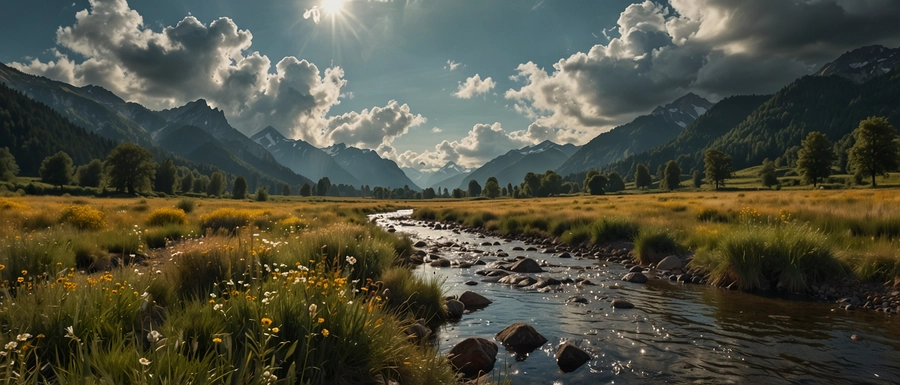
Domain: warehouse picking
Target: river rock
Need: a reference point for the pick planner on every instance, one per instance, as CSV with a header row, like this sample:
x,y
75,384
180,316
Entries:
x,y
473,356
418,331
636,269
531,248
471,283
437,226
577,299
635,278
526,265
686,277
527,281
671,262
473,300
570,357
455,308
518,248
420,244
548,250
486,244
622,304
440,262
520,337
564,255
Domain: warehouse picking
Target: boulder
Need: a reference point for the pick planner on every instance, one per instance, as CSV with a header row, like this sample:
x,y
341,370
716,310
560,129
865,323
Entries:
x,y
455,308
418,331
635,278
570,357
636,269
527,281
526,265
671,262
473,300
420,244
622,304
520,337
473,356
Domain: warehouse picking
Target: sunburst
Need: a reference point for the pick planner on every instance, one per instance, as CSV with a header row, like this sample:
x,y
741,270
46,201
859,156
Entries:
x,y
332,7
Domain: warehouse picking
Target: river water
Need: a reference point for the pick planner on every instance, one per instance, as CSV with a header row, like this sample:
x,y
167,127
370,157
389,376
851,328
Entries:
x,y
676,333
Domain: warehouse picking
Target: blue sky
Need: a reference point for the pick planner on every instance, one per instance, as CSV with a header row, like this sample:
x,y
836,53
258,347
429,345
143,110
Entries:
x,y
429,81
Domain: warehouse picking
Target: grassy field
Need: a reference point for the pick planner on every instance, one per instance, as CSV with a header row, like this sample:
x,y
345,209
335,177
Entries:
x,y
94,291
751,239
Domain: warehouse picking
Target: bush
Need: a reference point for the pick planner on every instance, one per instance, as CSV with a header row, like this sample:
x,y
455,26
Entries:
x,y
262,194
166,216
651,245
415,297
186,205
613,229
226,219
709,214
83,217
158,238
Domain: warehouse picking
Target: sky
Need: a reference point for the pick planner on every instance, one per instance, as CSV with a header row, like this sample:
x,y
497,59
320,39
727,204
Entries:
x,y
425,82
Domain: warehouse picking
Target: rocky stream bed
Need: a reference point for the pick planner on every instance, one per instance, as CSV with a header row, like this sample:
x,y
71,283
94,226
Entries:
x,y
541,313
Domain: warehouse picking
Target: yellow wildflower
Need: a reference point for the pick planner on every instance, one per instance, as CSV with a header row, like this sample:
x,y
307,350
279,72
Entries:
x,y
325,332
275,330
266,322
321,320
218,340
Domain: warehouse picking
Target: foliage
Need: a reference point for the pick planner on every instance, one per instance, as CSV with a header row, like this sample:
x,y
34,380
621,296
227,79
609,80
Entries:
x,y
167,216
217,184
814,160
596,184
187,205
876,151
474,188
167,177
615,182
262,194
587,177
286,190
764,256
8,166
305,190
492,189
83,217
322,186
130,168
90,175
227,219
239,191
697,178
653,244
57,169
767,174
672,176
611,229
718,167
642,178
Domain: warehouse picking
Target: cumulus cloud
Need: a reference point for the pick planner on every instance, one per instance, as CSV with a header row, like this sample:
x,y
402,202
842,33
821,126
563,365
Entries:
x,y
373,128
193,60
713,47
481,144
474,86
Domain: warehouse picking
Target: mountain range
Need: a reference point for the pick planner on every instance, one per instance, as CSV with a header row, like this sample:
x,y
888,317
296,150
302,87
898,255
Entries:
x,y
860,83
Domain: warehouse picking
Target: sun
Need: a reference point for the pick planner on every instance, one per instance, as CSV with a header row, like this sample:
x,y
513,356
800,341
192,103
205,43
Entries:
x,y
332,7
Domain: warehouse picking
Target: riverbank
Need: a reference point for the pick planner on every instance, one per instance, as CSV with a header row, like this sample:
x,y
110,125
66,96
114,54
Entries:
x,y
675,332
770,241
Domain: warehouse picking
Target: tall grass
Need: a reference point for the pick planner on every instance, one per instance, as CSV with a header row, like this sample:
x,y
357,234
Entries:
x,y
653,244
789,257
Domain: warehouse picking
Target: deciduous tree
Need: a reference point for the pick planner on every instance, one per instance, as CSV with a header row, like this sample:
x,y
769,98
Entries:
x,y
8,167
718,167
57,169
166,177
642,177
217,185
814,159
130,168
672,176
90,175
875,152
239,191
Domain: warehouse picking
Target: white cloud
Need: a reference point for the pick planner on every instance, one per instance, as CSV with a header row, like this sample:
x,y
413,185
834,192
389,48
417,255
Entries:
x,y
192,60
452,65
713,47
474,86
373,128
437,130
481,144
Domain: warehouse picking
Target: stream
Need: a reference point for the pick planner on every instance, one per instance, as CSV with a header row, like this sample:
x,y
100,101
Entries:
x,y
676,333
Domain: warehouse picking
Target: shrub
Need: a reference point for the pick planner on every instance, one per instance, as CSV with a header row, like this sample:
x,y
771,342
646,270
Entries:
x,y
158,238
83,217
709,214
289,225
167,216
613,229
186,205
652,244
226,219
414,296
262,194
